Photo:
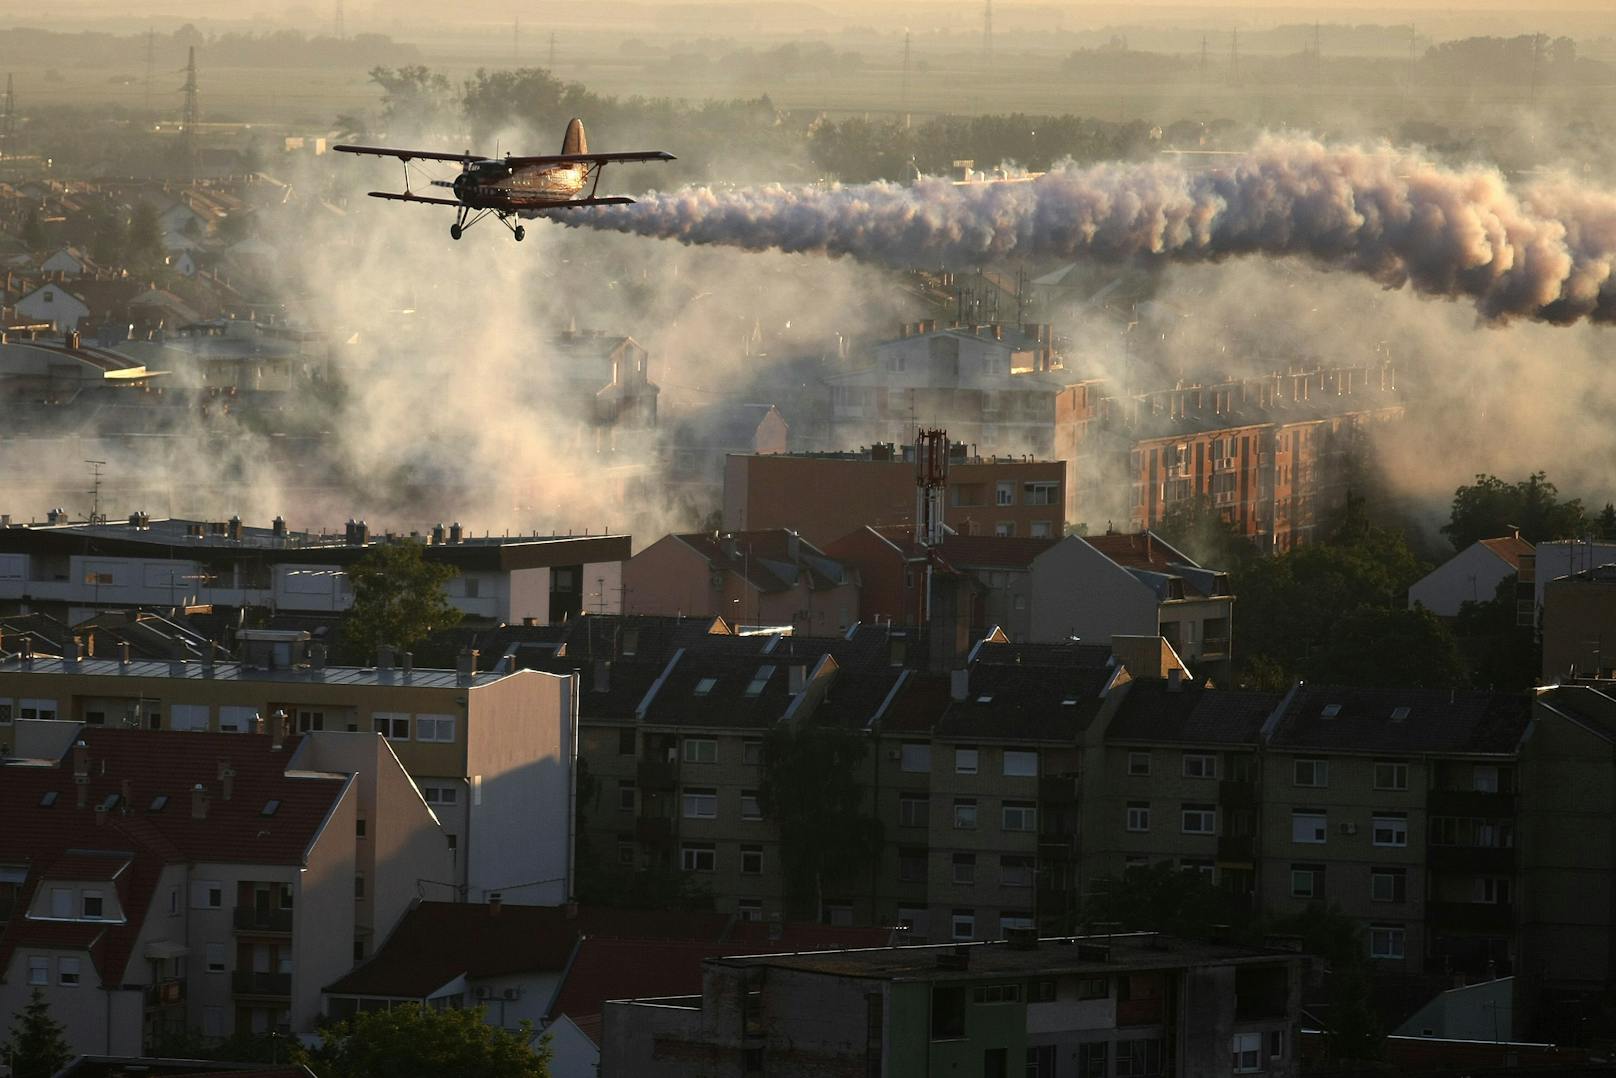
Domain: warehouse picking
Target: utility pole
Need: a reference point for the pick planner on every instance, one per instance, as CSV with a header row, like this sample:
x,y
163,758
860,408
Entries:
x,y
903,99
1203,59
190,116
8,120
95,489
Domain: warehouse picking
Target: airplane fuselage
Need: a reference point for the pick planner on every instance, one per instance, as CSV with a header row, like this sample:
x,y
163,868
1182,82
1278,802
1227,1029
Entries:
x,y
496,186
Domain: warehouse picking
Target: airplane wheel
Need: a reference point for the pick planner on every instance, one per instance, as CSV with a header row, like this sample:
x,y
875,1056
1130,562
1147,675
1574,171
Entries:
x,y
520,233
454,232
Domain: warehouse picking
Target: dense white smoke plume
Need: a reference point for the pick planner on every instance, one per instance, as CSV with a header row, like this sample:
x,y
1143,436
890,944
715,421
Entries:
x,y
1544,251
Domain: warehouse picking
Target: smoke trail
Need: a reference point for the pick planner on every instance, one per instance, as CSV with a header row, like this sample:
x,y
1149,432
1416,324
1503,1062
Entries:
x,y
1543,252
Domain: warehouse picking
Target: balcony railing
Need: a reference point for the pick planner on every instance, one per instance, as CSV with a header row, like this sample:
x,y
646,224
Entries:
x,y
165,993
1480,803
1237,793
251,983
653,829
658,775
1058,789
1241,849
253,919
1480,860
1470,916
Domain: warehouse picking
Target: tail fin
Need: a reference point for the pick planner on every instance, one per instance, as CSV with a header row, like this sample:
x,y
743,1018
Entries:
x,y
574,140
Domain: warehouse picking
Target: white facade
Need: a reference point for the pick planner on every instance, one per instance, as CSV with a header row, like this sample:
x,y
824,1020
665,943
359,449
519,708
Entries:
x,y
65,261
54,304
1470,576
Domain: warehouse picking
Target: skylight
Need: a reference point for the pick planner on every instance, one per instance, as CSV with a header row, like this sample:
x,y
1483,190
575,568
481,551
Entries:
x,y
1331,710
984,699
759,680
47,799
1399,714
270,807
705,685
158,803
1070,701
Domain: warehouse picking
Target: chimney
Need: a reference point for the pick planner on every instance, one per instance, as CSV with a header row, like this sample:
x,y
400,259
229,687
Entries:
x,y
437,534
199,802
1175,679
317,653
126,794
234,529
455,533
278,527
384,659
227,779
466,664
125,656
83,784
959,684
793,546
796,678
101,815
81,759
75,651
406,662
495,901
603,675
277,730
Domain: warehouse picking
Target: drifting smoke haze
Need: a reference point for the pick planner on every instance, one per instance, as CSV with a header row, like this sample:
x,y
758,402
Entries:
x,y
1543,251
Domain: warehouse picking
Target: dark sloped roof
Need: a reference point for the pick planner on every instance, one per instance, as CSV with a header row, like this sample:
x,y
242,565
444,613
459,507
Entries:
x,y
1026,703
1193,715
438,941
864,675
1072,653
727,701
1436,720
769,560
63,841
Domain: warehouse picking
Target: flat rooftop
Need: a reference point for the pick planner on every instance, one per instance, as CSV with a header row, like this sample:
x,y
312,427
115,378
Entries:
x,y
234,671
1078,955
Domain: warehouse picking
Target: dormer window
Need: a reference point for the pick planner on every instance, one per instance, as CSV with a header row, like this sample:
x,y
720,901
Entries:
x,y
1331,711
93,905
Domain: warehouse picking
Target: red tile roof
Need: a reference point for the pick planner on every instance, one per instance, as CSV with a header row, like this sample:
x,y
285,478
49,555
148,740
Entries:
x,y
63,841
992,551
1136,550
1509,548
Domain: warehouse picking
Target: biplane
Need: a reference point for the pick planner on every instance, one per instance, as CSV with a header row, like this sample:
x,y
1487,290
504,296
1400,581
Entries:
x,y
513,186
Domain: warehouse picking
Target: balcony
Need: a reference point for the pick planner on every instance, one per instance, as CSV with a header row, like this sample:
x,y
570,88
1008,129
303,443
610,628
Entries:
x,y
653,829
1470,916
263,922
1058,789
1237,849
1139,1012
165,993
1236,793
1479,803
1478,860
248,982
657,775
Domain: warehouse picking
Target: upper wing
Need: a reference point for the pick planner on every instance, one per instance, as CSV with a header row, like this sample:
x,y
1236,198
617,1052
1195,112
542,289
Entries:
x,y
591,158
411,155
414,198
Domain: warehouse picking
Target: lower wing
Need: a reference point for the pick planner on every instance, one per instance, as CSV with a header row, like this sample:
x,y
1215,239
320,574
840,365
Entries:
x,y
414,198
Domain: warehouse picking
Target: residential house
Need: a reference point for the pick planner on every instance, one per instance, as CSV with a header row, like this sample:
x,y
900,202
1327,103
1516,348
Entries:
x,y
1472,575
1123,1004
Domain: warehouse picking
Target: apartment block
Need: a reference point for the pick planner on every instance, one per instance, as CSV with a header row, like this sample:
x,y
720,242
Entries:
x,y
1117,1005
824,496
156,882
1579,625
489,751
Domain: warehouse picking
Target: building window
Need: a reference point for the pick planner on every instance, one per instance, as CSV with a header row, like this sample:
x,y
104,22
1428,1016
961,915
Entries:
x,y
752,753
749,909
1391,830
965,814
1139,1058
435,728
1484,779
359,885
93,905
39,971
964,924
440,795
1385,941
1276,1044
996,993
1247,1053
625,795
948,1011
1015,871
1093,1059
965,868
1004,492
1139,815
1020,763
206,895
1391,775
1308,826
1492,891
1311,773
700,750
752,860
1040,493
1020,816
913,811
697,858
706,685
1200,765
1202,865
1041,530
1200,820
915,757
392,727
965,761
912,866
625,852
750,808
1388,885
1094,988
1307,881
1139,763
1005,529
701,804
215,957
1043,990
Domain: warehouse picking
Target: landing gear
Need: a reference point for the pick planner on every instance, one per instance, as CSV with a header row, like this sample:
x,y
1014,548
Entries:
x,y
455,231
520,233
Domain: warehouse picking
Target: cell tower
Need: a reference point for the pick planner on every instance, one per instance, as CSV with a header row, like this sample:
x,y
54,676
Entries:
x,y
903,100
191,115
987,37
8,120
931,481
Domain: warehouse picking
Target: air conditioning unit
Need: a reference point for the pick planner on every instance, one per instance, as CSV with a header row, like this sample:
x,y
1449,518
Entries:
x,y
1349,829
483,992
513,993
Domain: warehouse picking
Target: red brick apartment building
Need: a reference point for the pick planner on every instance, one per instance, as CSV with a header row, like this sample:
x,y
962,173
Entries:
x,y
824,496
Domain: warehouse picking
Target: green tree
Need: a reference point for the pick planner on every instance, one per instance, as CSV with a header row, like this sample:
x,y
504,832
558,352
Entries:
x,y
1491,507
1381,646
33,232
1502,654
1605,525
398,600
37,1046
413,96
810,790
410,1040
1195,527
143,244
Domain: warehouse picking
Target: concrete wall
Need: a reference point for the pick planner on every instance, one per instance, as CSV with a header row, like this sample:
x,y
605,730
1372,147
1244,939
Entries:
x,y
1579,628
520,756
1472,575
1078,591
325,911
